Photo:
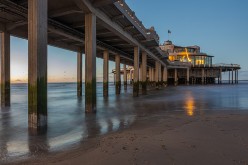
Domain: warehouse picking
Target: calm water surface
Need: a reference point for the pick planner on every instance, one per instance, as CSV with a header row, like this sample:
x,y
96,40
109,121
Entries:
x,y
68,125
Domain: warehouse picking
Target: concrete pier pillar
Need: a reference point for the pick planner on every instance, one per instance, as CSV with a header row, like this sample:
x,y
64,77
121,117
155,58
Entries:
x,y
79,74
144,73
150,74
157,74
187,76
175,77
37,64
125,76
136,72
105,72
202,76
237,76
131,76
118,74
90,63
232,76
140,72
165,76
229,78
220,75
5,69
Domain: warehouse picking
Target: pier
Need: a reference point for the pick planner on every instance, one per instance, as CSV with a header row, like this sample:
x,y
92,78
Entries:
x,y
106,29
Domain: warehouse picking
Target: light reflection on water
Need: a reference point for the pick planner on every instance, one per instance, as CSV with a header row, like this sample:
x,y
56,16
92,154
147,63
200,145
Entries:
x,y
69,126
190,104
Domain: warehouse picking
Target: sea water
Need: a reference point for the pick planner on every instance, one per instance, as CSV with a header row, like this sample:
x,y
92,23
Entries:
x,y
69,126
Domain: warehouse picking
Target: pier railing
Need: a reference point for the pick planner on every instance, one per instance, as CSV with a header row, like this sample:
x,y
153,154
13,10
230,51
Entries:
x,y
227,65
150,34
130,14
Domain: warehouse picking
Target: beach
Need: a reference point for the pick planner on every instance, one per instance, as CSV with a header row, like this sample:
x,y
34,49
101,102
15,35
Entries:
x,y
216,138
173,125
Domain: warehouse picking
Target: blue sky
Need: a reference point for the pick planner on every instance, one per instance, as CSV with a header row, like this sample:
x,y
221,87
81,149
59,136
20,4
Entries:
x,y
219,27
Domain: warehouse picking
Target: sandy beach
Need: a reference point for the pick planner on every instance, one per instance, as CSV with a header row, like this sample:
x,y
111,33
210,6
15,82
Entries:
x,y
218,137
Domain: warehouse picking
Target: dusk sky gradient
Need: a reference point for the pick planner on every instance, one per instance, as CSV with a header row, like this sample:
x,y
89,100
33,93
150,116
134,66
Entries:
x,y
219,27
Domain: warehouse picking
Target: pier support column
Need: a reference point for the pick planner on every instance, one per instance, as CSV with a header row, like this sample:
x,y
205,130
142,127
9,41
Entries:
x,y
118,74
152,76
5,69
232,75
79,74
144,73
131,77
202,76
125,76
105,73
165,76
229,78
220,75
90,63
37,64
237,76
157,74
136,72
175,77
187,76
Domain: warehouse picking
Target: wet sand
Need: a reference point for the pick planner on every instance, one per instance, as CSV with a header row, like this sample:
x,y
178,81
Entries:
x,y
218,137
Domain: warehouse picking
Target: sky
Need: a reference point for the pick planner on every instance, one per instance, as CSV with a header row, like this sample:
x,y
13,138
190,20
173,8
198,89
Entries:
x,y
219,27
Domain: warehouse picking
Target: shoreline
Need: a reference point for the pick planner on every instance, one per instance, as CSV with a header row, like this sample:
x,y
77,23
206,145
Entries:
x,y
218,137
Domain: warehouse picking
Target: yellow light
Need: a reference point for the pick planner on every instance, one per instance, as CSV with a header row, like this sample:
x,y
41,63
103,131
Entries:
x,y
187,54
199,62
190,106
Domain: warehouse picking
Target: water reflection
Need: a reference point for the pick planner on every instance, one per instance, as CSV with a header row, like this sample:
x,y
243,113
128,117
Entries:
x,y
189,104
68,125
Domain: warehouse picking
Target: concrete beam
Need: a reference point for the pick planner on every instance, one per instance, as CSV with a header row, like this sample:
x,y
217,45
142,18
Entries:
x,y
90,63
79,73
105,73
136,72
37,63
115,28
118,74
99,3
5,69
64,11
